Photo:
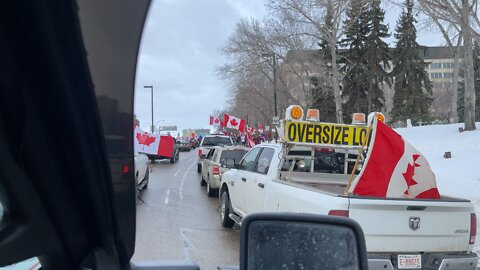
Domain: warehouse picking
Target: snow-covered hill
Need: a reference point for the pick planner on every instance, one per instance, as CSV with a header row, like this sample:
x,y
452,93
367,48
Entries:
x,y
458,176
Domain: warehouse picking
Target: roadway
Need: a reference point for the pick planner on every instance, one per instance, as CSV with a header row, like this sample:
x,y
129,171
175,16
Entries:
x,y
176,220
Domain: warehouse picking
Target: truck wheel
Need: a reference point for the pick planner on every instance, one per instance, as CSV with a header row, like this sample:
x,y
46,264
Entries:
x,y
146,179
202,180
211,192
227,222
199,168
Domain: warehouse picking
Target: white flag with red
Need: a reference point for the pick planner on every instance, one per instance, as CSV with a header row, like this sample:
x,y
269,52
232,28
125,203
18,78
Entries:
x,y
153,144
250,142
260,128
215,121
393,168
235,123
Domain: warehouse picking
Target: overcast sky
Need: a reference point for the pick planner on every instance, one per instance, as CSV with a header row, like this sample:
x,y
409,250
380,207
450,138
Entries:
x,y
179,53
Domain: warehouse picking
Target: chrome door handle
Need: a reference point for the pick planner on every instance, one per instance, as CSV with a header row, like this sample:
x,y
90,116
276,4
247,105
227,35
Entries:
x,y
261,185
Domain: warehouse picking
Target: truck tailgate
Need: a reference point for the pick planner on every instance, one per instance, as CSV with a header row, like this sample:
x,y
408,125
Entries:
x,y
391,225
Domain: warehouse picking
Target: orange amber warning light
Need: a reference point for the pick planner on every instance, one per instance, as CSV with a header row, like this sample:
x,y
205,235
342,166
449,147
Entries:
x,y
294,112
313,115
358,119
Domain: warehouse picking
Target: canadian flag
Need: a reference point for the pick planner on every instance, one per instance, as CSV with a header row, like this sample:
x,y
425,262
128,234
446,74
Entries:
x,y
394,169
235,123
153,144
250,142
260,128
249,129
215,121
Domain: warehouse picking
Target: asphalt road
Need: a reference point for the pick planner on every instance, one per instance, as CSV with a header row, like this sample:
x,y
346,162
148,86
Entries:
x,y
178,221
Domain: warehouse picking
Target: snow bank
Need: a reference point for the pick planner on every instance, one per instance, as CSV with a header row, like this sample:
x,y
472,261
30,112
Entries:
x,y
458,176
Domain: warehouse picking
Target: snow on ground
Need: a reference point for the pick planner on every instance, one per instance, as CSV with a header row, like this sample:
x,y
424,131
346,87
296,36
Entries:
x,y
458,176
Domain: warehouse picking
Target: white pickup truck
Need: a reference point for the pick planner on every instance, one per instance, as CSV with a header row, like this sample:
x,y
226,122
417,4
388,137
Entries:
x,y
303,178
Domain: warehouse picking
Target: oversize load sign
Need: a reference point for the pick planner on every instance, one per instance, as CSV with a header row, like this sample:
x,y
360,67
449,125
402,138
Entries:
x,y
323,133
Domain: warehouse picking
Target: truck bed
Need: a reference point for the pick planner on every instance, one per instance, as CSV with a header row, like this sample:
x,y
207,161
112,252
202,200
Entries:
x,y
325,182
335,184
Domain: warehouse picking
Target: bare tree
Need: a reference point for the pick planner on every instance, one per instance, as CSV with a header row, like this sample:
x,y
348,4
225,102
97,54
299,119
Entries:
x,y
249,72
313,14
462,17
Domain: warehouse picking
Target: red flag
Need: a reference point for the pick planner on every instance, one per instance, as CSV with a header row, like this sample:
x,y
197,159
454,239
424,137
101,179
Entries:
x,y
153,144
215,121
235,122
165,147
250,142
260,128
394,169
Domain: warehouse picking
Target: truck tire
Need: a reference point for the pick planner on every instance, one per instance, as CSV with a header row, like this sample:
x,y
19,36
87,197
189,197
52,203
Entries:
x,y
227,222
199,168
202,180
146,179
211,192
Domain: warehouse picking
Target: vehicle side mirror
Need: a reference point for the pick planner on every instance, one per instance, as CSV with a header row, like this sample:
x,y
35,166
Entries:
x,y
230,163
301,241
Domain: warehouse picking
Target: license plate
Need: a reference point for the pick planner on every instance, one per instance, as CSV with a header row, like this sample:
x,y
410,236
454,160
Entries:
x,y
409,261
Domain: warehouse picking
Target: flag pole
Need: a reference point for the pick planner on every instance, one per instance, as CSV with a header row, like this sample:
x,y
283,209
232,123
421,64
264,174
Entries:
x,y
358,157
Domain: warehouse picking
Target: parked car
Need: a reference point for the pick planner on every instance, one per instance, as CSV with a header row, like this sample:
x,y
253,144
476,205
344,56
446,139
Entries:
x,y
213,166
142,171
208,142
184,145
175,156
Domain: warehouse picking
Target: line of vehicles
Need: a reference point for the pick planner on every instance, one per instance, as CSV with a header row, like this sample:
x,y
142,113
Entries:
x,y
307,177
142,161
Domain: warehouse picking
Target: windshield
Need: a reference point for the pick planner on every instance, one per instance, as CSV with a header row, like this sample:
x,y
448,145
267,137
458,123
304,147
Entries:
x,y
216,141
234,67
394,92
236,155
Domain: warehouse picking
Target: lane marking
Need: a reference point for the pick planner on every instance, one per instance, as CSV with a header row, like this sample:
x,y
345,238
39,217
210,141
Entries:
x,y
183,181
176,173
167,197
190,159
187,244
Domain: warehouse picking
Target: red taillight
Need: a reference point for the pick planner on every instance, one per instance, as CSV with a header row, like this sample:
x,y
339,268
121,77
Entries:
x,y
199,152
340,213
473,228
125,169
216,170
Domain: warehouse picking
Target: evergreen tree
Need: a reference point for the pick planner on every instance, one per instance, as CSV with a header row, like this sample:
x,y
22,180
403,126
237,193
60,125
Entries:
x,y
377,56
476,65
355,85
413,88
323,99
322,90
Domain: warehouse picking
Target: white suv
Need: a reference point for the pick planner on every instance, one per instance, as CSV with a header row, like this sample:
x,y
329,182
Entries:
x,y
207,143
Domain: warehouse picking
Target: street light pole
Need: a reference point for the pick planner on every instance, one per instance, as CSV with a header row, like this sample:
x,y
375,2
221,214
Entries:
x,y
151,88
274,63
275,83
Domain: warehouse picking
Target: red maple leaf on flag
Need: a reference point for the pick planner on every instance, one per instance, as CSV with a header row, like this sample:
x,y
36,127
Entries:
x,y
233,122
217,120
145,139
408,175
